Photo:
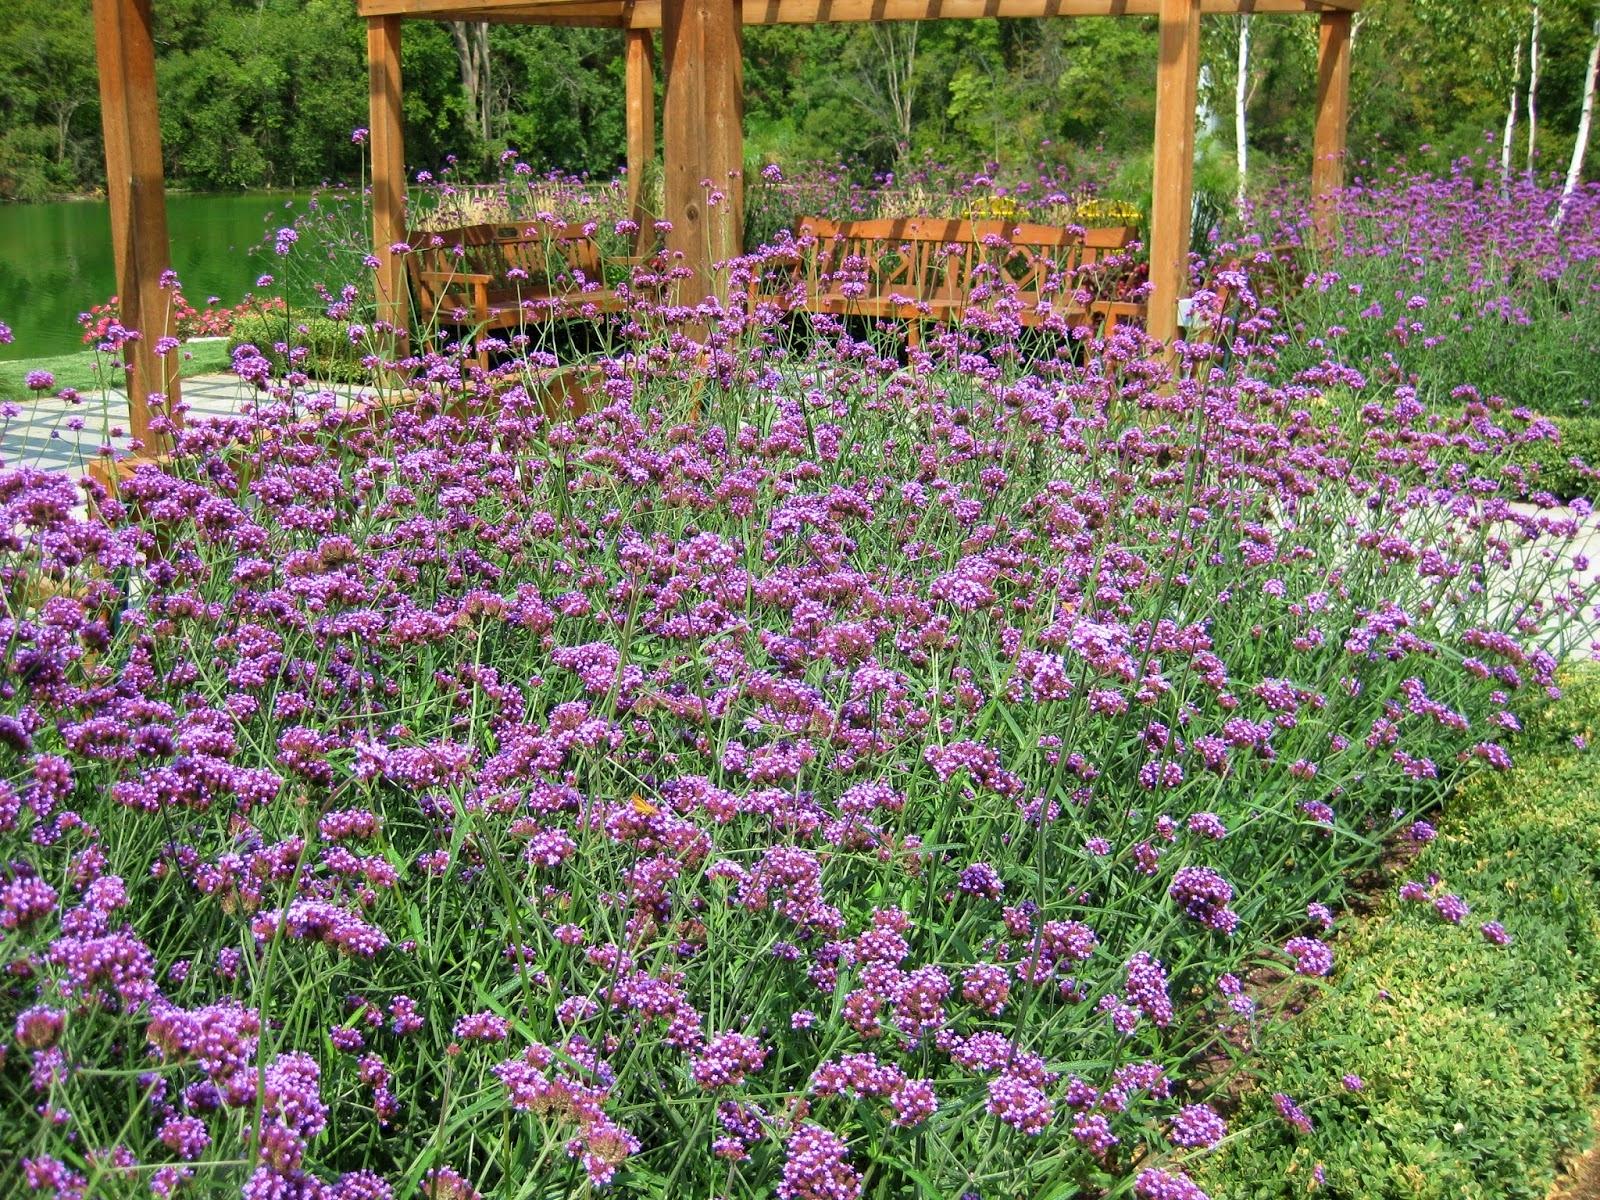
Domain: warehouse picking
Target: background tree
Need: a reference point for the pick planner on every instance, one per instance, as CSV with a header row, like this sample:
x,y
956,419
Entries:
x,y
1535,58
262,93
49,97
1580,141
472,49
1242,92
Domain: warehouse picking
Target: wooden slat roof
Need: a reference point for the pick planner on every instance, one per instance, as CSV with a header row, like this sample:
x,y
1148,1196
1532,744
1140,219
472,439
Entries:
x,y
646,14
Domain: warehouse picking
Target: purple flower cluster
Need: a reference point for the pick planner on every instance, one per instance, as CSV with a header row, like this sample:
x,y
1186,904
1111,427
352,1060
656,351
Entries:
x,y
980,879
1311,956
1020,1104
1451,907
1198,1125
319,921
727,1059
1291,1113
1204,896
1155,1184
816,1166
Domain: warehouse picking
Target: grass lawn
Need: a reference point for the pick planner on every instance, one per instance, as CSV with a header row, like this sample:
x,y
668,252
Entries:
x,y
1478,1062
86,370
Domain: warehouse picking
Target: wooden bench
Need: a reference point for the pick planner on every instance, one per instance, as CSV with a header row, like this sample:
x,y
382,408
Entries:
x,y
507,276
946,270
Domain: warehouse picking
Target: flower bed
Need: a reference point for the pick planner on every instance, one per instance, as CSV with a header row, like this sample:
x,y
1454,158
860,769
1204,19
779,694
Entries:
x,y
215,320
1448,283
798,774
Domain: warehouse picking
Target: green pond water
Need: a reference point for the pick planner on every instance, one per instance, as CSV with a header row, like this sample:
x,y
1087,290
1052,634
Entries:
x,y
55,260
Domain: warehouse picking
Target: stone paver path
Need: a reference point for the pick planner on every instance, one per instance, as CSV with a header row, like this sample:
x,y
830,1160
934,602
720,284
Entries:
x,y
66,437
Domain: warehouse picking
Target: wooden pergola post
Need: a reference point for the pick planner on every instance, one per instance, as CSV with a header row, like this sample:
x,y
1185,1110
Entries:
x,y
641,111
1333,117
387,139
1172,198
125,48
703,138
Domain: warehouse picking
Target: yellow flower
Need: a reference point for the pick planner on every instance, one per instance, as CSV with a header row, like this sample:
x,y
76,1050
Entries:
x,y
993,208
1095,210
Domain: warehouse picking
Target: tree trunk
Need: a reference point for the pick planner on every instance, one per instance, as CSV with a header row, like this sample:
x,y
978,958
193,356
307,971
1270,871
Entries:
x,y
1511,123
64,111
1533,84
1241,98
487,117
472,51
897,47
1581,144
1205,112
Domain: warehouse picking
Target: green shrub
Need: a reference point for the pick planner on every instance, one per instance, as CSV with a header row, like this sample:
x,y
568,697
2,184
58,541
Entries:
x,y
1215,178
1551,464
1580,439
1477,1061
329,356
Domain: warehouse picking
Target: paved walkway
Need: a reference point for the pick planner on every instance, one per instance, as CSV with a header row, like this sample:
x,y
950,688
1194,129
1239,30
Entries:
x,y
1580,639
66,437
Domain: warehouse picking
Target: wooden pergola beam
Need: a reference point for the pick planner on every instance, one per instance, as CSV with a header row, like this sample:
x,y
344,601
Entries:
x,y
386,136
125,50
1333,119
647,14
703,139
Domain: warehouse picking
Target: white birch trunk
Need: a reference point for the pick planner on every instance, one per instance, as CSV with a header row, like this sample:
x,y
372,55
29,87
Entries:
x,y
1511,124
1241,98
1581,144
1205,111
1533,85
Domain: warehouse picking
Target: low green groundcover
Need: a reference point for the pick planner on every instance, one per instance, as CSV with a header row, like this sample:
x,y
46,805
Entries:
x,y
1476,1061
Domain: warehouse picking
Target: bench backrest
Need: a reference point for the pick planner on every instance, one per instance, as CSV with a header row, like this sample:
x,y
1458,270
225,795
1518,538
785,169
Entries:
x,y
440,253
938,259
552,257
882,258
551,252
1042,262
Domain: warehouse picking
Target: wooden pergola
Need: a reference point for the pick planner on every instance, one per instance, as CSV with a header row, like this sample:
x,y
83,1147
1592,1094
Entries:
x,y
702,135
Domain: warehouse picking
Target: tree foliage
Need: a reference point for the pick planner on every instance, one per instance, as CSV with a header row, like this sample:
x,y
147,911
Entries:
x,y
265,92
